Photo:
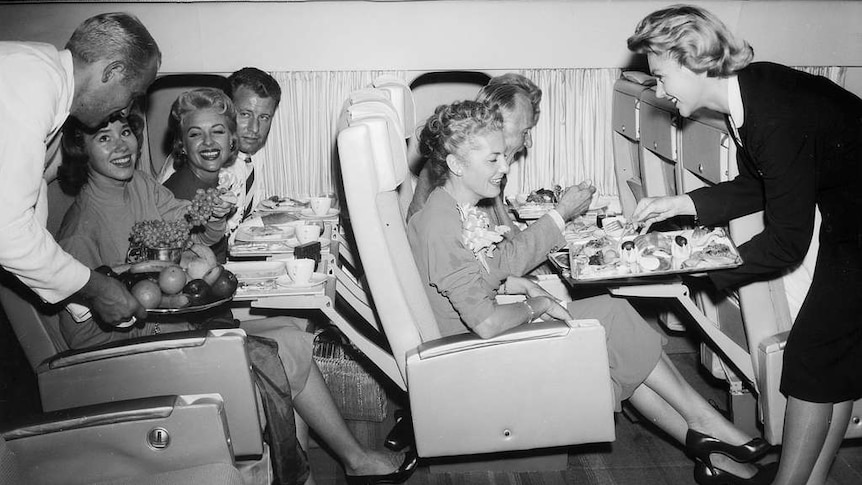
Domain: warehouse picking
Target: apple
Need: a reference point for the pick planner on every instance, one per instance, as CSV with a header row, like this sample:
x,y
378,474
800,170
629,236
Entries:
x,y
225,285
198,291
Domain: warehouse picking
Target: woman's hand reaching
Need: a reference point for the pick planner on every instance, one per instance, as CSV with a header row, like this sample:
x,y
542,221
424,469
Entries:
x,y
656,209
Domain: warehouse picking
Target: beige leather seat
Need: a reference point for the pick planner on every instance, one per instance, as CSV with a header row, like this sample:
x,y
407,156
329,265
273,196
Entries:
x,y
174,440
199,362
537,386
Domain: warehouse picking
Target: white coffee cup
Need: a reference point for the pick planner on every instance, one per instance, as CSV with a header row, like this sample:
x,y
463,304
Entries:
x,y
307,233
300,270
320,205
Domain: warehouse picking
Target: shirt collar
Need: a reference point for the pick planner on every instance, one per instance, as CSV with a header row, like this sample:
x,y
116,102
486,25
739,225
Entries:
x,y
245,157
734,101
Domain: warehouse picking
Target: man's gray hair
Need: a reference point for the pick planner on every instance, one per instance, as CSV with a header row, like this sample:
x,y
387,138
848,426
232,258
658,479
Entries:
x,y
503,91
118,37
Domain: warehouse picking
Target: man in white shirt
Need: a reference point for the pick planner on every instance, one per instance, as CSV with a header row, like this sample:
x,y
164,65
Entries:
x,y
109,60
255,95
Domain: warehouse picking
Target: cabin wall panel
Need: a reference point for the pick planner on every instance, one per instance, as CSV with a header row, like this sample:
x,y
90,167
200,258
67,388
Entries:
x,y
479,34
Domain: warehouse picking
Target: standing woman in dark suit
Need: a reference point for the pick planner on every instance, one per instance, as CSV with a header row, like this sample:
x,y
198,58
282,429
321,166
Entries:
x,y
799,140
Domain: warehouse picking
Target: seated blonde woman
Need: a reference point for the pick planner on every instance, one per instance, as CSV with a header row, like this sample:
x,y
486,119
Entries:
x,y
112,196
465,146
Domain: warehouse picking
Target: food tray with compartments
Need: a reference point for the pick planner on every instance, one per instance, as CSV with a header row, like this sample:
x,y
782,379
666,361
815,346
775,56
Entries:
x,y
604,257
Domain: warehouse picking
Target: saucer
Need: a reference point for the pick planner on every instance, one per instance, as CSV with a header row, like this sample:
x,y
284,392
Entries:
x,y
310,213
316,279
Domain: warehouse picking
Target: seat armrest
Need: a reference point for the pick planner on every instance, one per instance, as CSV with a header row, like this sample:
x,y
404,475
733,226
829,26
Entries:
x,y
214,361
488,390
122,439
152,343
469,341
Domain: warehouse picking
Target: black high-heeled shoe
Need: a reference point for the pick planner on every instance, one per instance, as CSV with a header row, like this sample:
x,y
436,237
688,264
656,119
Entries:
x,y
707,475
701,446
408,466
401,435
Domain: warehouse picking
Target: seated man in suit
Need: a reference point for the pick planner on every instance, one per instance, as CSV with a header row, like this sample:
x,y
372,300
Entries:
x,y
255,95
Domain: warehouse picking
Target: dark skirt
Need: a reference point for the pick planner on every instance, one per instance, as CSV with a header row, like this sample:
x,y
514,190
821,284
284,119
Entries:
x,y
823,355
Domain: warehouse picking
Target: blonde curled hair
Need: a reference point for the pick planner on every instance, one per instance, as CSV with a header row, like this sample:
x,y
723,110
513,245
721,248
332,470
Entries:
x,y
451,129
693,37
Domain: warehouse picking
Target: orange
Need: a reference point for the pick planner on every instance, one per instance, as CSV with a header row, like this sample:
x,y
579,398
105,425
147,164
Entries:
x,y
172,279
148,294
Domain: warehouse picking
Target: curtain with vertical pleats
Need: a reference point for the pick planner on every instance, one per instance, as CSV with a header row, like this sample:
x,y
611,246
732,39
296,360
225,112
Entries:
x,y
298,158
571,142
833,73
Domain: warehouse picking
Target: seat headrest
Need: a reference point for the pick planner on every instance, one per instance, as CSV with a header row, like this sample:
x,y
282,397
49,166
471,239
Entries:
x,y
402,99
367,94
376,108
389,159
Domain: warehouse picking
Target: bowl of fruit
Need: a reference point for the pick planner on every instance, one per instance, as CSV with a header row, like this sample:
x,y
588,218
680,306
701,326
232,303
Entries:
x,y
196,283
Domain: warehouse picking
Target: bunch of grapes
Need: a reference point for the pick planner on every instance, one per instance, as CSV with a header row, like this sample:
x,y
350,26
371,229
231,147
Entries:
x,y
202,206
161,234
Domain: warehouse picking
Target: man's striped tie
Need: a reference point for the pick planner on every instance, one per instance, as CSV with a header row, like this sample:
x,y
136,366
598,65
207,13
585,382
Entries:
x,y
249,189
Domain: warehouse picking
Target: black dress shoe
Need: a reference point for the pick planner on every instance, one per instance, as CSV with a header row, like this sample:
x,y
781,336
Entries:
x,y
701,446
707,475
401,435
408,466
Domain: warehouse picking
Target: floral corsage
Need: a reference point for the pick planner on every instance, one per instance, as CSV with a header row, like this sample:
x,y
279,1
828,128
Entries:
x,y
477,233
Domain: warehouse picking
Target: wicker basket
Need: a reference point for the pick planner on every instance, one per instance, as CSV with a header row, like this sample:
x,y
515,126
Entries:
x,y
357,393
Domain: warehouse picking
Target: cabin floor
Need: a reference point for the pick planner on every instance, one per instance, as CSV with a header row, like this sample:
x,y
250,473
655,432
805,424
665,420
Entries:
x,y
639,456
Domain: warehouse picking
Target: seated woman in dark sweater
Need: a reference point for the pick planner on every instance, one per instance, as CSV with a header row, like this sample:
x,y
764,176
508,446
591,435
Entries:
x,y
111,197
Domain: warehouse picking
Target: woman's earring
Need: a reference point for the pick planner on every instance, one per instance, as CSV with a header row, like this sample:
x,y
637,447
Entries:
x,y
233,145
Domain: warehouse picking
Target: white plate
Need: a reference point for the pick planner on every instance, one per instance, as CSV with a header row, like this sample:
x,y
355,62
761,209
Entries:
x,y
247,234
316,280
310,213
254,271
283,205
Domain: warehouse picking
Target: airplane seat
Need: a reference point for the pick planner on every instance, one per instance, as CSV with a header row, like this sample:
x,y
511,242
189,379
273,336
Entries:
x,y
468,395
172,440
212,361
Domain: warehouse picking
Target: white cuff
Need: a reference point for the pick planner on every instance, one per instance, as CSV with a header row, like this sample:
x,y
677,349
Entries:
x,y
558,219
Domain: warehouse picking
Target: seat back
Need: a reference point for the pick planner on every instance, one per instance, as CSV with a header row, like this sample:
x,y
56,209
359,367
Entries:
x,y
430,90
362,106
376,220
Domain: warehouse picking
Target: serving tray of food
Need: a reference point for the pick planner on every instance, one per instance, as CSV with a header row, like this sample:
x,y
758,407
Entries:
x,y
612,255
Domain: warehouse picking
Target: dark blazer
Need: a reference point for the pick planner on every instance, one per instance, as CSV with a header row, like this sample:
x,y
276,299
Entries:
x,y
801,145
